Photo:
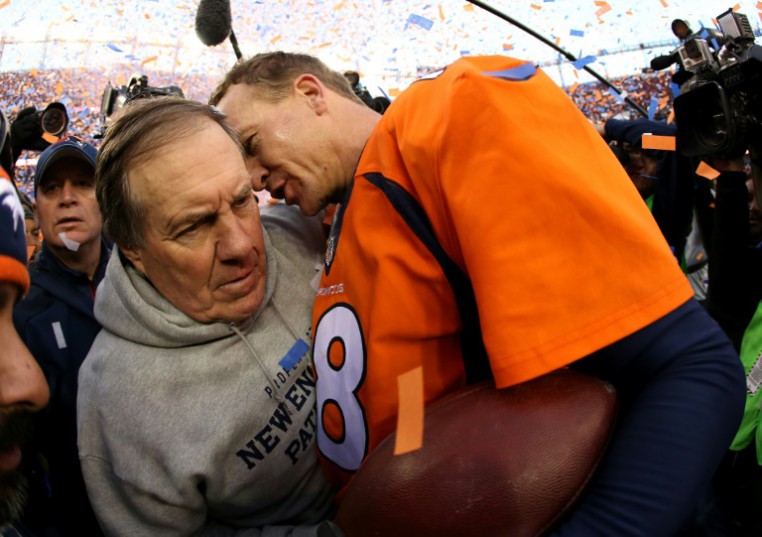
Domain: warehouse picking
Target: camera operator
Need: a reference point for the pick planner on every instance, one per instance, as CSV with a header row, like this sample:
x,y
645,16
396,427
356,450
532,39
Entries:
x,y
733,299
719,118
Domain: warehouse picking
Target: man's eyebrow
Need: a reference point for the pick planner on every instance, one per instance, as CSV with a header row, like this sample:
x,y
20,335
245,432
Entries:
x,y
245,190
187,218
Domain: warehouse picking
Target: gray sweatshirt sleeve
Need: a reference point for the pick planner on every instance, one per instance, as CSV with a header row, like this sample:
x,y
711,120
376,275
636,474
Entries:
x,y
123,509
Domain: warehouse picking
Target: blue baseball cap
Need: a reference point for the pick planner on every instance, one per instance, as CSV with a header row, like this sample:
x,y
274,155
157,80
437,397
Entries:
x,y
66,147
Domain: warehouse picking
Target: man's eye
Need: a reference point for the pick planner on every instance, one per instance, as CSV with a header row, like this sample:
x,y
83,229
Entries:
x,y
187,231
243,201
252,146
192,228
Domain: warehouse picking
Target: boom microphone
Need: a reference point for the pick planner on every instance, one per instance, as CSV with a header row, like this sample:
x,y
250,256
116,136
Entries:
x,y
662,62
213,21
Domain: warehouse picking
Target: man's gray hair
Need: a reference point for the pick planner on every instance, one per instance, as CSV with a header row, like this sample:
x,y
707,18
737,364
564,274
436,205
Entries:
x,y
140,129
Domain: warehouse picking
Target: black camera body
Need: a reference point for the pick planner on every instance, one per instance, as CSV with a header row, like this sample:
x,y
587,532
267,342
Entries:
x,y
114,98
719,109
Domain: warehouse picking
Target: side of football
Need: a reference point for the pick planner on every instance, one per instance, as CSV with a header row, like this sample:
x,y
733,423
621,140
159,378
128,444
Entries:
x,y
507,462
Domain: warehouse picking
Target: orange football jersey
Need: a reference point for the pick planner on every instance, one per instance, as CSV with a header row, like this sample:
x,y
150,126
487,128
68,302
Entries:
x,y
527,199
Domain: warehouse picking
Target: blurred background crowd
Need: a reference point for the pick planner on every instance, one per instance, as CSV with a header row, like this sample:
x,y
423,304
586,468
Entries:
x,y
81,91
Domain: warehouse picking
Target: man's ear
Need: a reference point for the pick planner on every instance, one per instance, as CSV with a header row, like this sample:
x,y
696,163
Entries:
x,y
133,255
313,90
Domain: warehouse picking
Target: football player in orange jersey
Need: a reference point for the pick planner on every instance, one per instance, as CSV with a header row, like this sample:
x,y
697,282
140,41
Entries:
x,y
485,229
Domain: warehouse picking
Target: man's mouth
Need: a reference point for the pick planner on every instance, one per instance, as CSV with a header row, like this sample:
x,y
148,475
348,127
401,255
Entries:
x,y
10,459
241,281
15,431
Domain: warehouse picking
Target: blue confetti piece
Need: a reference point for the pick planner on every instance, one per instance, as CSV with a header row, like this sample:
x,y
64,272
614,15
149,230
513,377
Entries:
x,y
675,89
522,72
618,96
582,62
577,33
294,354
423,22
114,47
652,107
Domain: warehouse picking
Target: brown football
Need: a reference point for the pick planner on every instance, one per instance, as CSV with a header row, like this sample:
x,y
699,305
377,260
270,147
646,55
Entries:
x,y
506,462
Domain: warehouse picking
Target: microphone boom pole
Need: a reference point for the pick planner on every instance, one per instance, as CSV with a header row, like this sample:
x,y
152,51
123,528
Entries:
x,y
234,42
560,50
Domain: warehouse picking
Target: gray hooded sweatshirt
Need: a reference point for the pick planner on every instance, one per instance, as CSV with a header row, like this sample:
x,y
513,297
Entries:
x,y
187,428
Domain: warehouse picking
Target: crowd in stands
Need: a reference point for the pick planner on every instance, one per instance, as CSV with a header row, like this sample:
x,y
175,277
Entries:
x,y
599,103
81,90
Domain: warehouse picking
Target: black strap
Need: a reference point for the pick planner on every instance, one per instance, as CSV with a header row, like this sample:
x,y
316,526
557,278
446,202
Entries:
x,y
474,354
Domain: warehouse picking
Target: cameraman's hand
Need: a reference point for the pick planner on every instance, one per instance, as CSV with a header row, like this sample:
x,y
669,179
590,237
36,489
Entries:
x,y
26,133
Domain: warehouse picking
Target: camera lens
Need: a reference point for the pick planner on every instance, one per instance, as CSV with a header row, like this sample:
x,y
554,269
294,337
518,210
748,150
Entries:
x,y
712,127
54,119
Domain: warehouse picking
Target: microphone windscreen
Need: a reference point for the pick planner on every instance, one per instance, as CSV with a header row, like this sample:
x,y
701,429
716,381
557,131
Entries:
x,y
213,21
662,62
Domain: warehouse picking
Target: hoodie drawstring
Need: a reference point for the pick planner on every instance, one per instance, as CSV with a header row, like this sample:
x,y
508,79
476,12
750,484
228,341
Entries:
x,y
278,397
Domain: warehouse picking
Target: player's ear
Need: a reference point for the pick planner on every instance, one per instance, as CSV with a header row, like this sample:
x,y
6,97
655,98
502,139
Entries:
x,y
310,87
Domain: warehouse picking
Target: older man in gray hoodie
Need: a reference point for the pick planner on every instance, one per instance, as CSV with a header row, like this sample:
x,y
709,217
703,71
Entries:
x,y
196,406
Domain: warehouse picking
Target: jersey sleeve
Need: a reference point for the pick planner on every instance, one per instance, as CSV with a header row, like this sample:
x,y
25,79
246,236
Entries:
x,y
563,255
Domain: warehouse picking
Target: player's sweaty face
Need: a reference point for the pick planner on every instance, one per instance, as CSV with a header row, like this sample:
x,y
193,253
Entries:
x,y
286,153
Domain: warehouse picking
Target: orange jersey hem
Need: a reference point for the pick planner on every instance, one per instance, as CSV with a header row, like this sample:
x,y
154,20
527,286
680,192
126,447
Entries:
x,y
571,347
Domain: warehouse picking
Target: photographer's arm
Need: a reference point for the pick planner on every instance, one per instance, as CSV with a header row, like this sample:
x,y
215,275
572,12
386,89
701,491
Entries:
x,y
733,294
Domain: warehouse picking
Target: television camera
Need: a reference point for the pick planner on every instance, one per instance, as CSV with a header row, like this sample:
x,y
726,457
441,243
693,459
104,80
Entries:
x,y
719,111
115,98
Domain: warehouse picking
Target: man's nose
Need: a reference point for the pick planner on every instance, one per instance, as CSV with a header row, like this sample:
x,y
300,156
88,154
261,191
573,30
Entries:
x,y
259,176
68,194
234,236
